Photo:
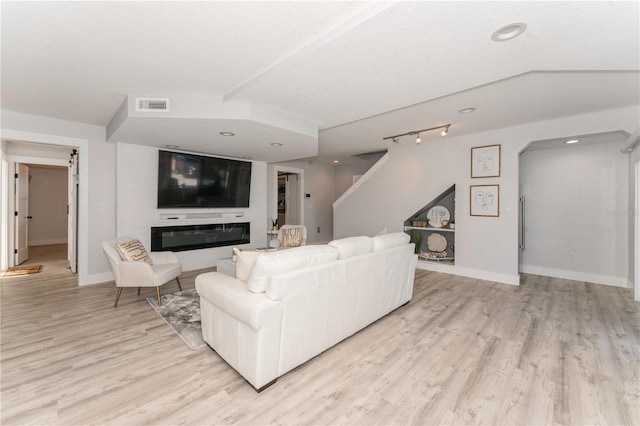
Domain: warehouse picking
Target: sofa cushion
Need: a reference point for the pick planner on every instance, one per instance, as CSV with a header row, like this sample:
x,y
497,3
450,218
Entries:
x,y
269,264
353,246
133,251
394,239
244,262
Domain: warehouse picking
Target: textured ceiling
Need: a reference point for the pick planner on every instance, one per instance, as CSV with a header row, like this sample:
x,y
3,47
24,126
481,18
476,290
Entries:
x,y
359,70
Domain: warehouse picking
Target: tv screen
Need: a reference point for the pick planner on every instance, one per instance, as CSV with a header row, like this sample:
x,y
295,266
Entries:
x,y
190,180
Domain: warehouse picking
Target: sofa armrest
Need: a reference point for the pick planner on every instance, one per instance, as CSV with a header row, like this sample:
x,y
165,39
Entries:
x,y
231,296
161,257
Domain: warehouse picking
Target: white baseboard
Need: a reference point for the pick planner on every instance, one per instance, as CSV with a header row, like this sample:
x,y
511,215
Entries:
x,y
576,276
470,272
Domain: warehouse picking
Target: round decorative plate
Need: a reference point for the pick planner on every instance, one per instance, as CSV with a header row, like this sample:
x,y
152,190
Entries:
x,y
436,215
436,242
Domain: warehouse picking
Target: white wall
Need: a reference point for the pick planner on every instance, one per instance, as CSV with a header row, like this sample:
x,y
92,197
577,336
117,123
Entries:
x,y
47,205
318,210
486,248
577,202
97,182
137,212
343,175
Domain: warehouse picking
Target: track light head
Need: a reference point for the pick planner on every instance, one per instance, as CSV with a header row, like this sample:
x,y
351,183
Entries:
x,y
418,139
444,131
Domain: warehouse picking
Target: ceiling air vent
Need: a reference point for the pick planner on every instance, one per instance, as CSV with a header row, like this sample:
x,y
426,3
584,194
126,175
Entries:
x,y
152,105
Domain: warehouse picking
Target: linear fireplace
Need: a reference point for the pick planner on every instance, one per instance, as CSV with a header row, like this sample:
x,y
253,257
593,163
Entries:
x,y
193,237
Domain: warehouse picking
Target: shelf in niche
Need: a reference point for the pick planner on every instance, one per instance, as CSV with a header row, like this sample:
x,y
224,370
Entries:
x,y
420,235
448,261
422,228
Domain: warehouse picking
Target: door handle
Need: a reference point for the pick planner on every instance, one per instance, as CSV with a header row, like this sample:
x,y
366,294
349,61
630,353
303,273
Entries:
x,y
29,217
522,222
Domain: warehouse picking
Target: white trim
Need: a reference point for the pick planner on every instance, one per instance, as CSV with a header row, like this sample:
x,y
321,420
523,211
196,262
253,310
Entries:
x,y
633,140
469,272
83,196
576,276
300,173
362,180
636,252
4,213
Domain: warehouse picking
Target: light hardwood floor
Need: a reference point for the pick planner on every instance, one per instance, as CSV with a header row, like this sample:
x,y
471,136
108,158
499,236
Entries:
x,y
463,351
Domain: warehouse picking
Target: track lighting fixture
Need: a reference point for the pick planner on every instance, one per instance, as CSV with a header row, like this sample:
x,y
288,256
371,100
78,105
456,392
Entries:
x,y
444,132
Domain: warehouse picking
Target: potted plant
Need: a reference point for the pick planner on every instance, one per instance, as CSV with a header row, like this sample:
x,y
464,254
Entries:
x,y
274,224
416,239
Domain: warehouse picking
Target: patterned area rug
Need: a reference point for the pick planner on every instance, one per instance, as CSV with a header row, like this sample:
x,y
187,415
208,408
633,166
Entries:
x,y
181,311
22,270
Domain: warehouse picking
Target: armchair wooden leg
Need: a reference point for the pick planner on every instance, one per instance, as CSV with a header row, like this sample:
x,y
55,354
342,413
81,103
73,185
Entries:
x,y
118,297
179,285
139,290
158,294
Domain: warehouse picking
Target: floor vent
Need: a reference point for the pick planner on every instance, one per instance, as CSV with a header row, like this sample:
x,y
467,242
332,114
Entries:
x,y
152,105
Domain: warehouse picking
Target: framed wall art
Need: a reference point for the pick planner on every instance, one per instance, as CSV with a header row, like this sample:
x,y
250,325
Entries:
x,y
484,200
485,161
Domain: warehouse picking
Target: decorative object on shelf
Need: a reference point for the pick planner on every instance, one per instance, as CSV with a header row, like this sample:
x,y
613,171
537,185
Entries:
x,y
416,239
437,242
444,132
418,222
485,161
484,200
437,215
433,255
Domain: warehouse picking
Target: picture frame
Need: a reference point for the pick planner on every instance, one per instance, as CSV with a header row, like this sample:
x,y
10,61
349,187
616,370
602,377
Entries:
x,y
484,200
485,161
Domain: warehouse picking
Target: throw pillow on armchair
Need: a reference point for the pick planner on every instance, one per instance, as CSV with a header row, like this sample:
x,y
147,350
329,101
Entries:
x,y
292,237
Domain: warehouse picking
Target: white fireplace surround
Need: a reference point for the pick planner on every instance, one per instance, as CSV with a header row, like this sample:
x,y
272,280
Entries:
x,y
137,212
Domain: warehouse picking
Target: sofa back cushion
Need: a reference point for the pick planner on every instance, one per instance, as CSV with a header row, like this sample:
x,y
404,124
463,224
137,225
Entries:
x,y
269,264
353,246
394,239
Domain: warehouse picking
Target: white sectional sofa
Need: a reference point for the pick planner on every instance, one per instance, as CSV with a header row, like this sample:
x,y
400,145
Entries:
x,y
299,302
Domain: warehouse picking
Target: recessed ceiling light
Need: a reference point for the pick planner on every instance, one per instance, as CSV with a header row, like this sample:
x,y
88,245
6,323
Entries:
x,y
509,32
569,142
172,146
466,110
227,134
276,144
336,161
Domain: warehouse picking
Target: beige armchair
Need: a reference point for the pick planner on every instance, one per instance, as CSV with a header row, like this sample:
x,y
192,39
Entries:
x,y
165,268
288,235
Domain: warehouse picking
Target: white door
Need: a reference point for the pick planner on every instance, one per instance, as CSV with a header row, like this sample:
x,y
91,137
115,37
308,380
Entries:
x,y
22,214
72,215
292,214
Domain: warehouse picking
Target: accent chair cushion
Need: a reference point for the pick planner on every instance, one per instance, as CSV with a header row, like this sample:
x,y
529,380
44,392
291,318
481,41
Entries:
x,y
292,237
133,251
353,246
244,262
277,262
394,239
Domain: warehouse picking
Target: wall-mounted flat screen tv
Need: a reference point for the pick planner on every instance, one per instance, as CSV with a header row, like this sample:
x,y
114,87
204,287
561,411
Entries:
x,y
190,180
